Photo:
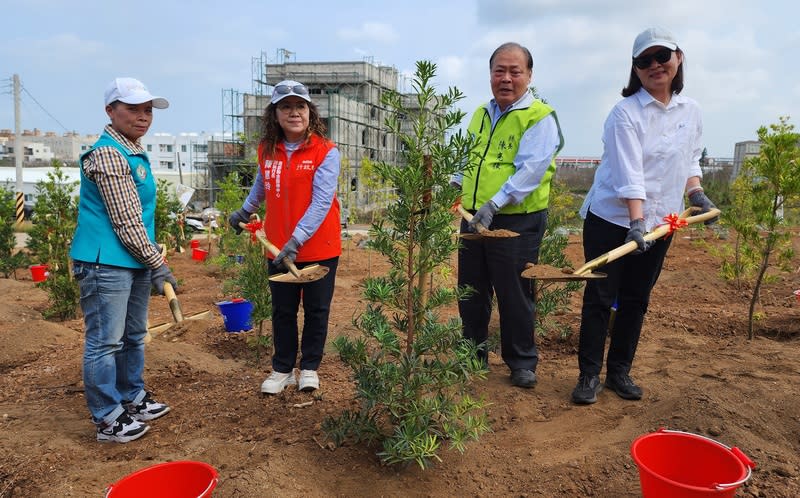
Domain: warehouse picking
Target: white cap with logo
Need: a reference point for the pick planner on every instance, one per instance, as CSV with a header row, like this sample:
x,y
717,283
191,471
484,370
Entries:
x,y
654,37
132,91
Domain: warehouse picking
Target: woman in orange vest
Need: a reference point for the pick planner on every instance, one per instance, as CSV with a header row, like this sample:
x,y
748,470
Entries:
x,y
296,179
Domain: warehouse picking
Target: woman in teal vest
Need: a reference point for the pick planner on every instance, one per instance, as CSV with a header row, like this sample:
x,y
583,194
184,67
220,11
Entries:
x,y
507,185
116,261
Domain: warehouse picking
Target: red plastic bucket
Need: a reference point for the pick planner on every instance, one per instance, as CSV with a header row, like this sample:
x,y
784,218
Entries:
x,y
684,465
39,273
194,244
199,254
182,479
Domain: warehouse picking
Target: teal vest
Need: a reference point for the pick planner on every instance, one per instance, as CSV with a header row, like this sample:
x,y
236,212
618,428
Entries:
x,y
95,240
492,161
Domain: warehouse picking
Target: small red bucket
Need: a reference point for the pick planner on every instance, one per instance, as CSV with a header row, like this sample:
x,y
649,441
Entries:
x,y
199,254
194,243
182,479
39,273
684,465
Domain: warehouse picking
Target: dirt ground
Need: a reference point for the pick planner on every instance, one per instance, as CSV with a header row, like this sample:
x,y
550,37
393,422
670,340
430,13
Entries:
x,y
699,372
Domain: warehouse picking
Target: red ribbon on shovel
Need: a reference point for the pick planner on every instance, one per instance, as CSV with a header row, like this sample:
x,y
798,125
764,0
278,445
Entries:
x,y
253,227
675,222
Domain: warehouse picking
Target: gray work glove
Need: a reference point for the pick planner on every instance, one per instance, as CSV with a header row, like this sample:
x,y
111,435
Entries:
x,y
484,215
239,216
160,275
288,253
636,234
698,199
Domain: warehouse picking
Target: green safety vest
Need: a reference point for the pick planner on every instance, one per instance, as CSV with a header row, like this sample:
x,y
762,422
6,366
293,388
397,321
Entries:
x,y
492,161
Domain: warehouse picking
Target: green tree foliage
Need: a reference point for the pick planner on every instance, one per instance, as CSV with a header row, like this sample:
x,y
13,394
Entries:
x,y
168,210
230,197
55,217
765,185
10,259
554,297
412,368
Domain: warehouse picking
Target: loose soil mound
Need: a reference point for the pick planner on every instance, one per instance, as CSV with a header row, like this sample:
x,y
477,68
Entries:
x,y
699,372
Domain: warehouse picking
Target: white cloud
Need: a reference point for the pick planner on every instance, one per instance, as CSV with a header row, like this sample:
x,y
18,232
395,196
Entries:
x,y
369,31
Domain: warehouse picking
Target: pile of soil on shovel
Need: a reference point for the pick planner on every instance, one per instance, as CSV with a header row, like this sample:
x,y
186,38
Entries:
x,y
699,373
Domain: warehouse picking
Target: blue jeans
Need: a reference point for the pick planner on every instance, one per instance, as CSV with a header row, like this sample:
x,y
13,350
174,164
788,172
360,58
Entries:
x,y
114,302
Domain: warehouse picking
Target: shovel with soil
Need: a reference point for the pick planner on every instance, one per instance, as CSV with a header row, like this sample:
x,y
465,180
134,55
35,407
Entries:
x,y
483,232
553,274
310,273
177,312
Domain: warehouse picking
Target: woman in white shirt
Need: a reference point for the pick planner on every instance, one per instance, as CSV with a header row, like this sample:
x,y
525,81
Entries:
x,y
652,146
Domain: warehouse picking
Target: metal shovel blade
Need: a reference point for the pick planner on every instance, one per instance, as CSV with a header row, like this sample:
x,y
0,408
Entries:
x,y
553,274
310,273
483,232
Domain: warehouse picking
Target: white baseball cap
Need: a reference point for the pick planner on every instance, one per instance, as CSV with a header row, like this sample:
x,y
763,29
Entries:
x,y
132,91
289,88
654,37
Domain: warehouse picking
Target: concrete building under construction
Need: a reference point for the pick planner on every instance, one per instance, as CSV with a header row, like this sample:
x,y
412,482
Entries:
x,y
348,95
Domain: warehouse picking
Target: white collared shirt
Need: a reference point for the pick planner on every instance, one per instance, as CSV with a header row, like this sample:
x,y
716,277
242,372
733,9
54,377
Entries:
x,y
649,151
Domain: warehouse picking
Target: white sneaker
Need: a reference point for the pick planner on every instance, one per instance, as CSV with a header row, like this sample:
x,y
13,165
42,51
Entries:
x,y
277,382
309,380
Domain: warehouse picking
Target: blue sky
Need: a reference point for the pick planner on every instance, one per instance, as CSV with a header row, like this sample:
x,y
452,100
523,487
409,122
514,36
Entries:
x,y
741,56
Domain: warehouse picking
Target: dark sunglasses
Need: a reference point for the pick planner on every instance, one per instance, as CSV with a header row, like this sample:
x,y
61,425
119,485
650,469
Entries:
x,y
295,89
644,61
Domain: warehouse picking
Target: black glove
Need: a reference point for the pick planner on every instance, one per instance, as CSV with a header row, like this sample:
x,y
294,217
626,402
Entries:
x,y
484,215
698,199
636,234
160,275
239,216
288,253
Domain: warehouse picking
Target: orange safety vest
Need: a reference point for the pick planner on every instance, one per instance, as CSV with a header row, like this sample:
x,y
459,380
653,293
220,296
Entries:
x,y
287,195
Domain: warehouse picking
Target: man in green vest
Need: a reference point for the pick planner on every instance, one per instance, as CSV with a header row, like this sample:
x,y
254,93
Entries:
x,y
506,185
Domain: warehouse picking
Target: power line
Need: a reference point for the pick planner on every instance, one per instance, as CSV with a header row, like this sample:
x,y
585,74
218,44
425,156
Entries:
x,y
42,107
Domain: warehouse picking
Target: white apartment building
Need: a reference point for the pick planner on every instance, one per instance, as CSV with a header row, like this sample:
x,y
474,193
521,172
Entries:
x,y
42,147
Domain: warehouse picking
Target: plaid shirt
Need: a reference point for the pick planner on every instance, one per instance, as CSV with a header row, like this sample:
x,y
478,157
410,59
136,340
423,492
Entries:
x,y
109,169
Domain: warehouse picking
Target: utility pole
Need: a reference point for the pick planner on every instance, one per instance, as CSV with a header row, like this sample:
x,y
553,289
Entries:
x,y
19,152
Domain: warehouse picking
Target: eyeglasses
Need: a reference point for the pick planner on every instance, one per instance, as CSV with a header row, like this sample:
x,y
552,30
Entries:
x,y
644,61
289,107
295,89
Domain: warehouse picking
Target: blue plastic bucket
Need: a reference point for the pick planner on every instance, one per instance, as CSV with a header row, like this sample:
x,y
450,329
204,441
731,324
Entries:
x,y
236,314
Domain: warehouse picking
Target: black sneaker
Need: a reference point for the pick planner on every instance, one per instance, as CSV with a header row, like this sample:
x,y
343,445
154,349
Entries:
x,y
148,409
123,430
523,378
585,393
624,386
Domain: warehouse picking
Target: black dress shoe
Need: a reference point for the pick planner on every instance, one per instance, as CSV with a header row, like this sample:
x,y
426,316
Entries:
x,y
523,378
585,393
624,386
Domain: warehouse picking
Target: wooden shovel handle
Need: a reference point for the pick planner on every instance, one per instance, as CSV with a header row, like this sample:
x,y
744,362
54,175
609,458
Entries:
x,y
274,251
631,246
467,216
174,304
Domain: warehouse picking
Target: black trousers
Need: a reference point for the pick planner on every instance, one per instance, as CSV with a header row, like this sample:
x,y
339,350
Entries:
x,y
493,266
286,297
630,281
